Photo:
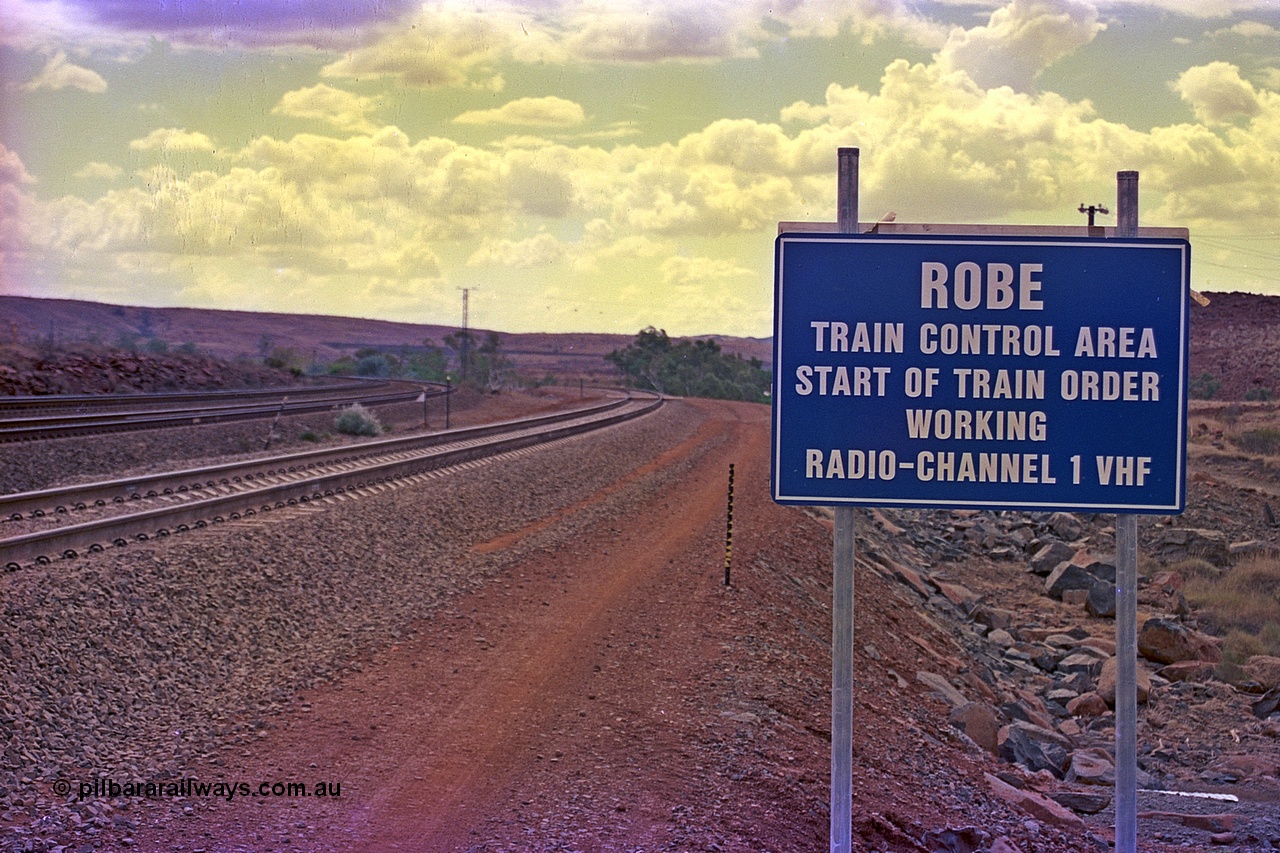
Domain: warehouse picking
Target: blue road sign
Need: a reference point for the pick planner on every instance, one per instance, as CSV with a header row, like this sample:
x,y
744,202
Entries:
x,y
981,372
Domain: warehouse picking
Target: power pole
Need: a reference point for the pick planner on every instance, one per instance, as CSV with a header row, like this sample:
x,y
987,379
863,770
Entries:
x,y
1091,210
466,335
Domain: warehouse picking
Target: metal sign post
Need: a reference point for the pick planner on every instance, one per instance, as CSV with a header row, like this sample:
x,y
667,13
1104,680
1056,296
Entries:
x,y
1126,606
843,556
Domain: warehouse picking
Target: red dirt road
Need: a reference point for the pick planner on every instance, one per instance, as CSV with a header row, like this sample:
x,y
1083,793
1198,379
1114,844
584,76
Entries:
x,y
556,701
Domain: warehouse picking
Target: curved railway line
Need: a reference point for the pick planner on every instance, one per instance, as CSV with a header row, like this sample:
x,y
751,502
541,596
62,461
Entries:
x,y
60,416
135,509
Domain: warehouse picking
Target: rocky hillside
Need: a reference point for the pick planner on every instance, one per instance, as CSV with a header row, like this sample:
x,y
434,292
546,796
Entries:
x,y
1236,339
95,370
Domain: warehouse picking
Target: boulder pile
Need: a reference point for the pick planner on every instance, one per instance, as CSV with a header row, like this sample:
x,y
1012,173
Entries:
x,y
1039,689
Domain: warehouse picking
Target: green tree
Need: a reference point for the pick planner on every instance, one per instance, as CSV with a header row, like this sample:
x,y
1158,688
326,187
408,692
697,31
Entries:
x,y
430,365
645,359
690,368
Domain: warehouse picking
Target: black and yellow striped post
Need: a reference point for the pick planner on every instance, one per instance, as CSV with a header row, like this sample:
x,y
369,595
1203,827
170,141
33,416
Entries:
x,y
728,533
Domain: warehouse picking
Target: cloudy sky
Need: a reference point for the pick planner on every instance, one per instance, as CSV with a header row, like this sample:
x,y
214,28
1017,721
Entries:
x,y
606,165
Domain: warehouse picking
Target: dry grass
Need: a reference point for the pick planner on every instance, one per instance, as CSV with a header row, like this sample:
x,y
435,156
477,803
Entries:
x,y
1244,604
1192,568
1245,597
1264,441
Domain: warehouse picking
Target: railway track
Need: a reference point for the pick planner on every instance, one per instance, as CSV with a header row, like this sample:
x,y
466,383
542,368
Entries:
x,y
137,509
60,416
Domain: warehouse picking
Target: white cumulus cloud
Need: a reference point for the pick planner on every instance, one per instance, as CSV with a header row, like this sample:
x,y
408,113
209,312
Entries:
x,y
547,111
58,73
336,107
1019,41
173,139
1217,92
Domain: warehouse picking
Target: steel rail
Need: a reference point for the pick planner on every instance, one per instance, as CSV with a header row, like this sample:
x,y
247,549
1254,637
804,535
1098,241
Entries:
x,y
65,499
63,426
45,402
68,542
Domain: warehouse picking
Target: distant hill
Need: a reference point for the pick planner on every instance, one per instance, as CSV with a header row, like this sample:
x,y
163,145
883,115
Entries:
x,y
1236,337
231,334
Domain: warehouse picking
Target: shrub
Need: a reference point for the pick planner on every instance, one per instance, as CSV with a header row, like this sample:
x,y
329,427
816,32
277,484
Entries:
x,y
1204,386
1258,392
280,358
1237,648
373,365
357,420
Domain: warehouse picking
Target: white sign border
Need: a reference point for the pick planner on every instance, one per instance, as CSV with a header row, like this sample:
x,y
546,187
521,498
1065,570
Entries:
x,y
1007,239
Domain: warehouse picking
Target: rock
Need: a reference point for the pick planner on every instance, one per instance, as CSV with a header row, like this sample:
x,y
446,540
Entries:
x,y
1101,600
1034,748
1062,641
1067,575
1087,705
1268,704
1001,638
968,839
1070,728
1075,597
1090,767
980,723
1082,802
911,578
1080,662
943,688
1049,556
1065,526
1264,669
1004,845
1035,805
961,596
1187,670
1106,646
1029,709
1179,543
1168,582
1168,641
992,617
1241,766
1107,683
1099,568
981,536
1043,634
1248,547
